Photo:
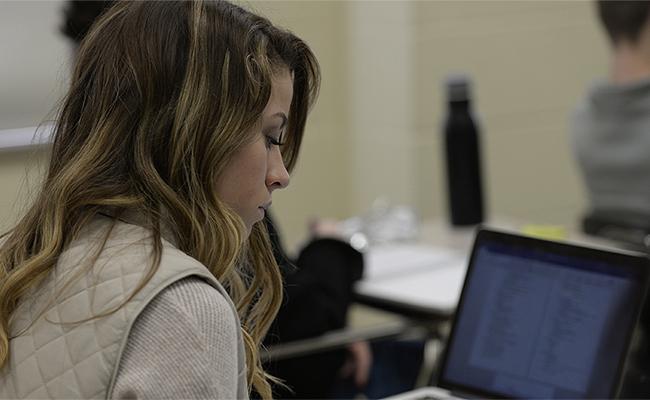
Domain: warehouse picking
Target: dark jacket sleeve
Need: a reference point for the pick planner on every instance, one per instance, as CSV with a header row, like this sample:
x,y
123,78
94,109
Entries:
x,y
318,287
317,295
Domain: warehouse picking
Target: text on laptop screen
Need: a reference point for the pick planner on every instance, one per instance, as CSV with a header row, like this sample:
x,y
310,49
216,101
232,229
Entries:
x,y
535,324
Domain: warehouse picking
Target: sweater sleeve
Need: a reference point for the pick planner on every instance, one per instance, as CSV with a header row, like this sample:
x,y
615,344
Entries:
x,y
182,345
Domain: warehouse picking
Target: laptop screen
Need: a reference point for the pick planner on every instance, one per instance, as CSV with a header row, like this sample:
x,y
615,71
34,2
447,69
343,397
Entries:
x,y
539,319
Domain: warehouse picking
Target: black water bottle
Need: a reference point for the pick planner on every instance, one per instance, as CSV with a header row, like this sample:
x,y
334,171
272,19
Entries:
x,y
462,150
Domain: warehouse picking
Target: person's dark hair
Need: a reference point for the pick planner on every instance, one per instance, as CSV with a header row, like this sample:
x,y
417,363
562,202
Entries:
x,y
79,15
623,20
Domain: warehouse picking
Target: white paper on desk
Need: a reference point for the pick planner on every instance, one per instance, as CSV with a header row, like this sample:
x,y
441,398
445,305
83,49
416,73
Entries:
x,y
395,260
436,290
421,276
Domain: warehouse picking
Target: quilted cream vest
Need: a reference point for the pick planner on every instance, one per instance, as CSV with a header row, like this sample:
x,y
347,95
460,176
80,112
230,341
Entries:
x,y
61,356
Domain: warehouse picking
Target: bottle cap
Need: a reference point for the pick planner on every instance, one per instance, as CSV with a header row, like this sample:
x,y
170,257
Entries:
x,y
458,87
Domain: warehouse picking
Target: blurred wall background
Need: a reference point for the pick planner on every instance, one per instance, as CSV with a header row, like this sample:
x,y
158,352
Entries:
x,y
376,130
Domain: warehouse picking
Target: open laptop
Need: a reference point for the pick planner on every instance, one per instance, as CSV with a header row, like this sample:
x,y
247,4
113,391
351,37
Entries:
x,y
541,319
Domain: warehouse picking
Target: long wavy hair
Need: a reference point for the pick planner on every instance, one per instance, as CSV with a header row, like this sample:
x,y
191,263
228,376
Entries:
x,y
162,95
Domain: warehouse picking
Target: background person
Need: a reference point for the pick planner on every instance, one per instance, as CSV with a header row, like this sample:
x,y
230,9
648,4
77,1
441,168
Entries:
x,y
610,131
318,287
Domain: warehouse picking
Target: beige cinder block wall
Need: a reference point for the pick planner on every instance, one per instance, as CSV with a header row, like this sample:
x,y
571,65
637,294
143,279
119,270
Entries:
x,y
375,131
530,61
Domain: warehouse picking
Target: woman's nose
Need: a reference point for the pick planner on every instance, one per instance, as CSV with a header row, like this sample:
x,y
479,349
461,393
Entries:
x,y
277,176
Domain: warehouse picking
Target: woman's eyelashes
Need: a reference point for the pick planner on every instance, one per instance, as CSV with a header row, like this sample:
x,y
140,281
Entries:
x,y
274,140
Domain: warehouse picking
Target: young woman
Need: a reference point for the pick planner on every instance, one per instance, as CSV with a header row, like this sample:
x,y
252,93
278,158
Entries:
x,y
142,269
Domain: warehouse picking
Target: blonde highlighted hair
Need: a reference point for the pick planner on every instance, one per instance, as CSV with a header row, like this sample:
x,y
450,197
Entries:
x,y
162,95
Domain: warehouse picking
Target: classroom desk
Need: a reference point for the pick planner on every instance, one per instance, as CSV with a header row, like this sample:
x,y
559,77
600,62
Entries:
x,y
425,283
422,280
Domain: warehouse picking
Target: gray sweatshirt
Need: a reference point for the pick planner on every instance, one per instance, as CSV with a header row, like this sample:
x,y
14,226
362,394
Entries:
x,y
611,140
180,347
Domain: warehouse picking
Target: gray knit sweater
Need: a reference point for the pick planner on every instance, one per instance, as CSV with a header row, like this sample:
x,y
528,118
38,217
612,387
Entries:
x,y
180,347
611,140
